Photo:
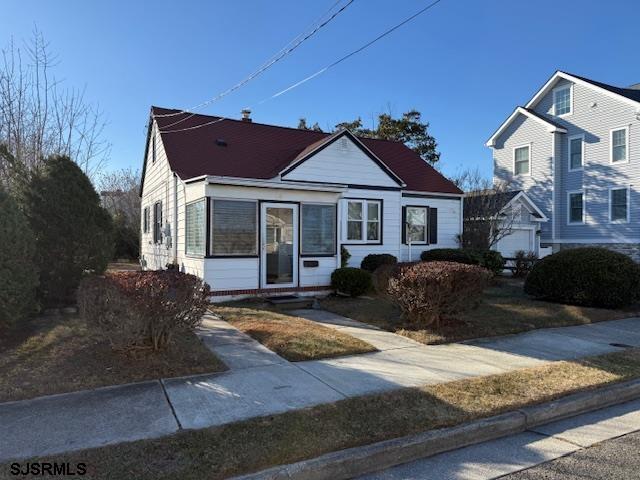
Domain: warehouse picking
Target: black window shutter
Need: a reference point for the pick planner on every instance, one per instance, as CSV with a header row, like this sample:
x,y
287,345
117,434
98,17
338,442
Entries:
x,y
161,221
404,225
155,223
433,225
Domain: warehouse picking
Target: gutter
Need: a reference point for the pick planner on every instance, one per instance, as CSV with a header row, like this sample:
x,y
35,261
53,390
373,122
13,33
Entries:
x,y
259,183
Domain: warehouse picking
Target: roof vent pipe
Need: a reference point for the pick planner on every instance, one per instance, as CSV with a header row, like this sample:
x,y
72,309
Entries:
x,y
246,115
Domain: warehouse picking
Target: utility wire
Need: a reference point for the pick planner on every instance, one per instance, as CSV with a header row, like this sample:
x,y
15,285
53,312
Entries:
x,y
331,65
279,56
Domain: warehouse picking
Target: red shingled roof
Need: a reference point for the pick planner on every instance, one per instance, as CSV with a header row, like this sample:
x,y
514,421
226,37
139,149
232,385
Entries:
x,y
255,150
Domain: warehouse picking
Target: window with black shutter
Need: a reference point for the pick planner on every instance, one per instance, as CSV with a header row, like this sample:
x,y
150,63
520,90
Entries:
x,y
157,222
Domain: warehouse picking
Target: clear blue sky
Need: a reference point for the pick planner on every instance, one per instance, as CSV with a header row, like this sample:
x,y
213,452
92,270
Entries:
x,y
465,64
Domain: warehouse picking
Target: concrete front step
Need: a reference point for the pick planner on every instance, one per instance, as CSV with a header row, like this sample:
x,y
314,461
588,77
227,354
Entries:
x,y
291,302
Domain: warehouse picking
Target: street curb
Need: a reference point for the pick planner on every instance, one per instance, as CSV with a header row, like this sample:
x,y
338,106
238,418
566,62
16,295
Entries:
x,y
356,461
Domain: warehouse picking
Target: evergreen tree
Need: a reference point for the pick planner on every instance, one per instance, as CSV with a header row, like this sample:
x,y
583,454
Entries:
x,y
73,232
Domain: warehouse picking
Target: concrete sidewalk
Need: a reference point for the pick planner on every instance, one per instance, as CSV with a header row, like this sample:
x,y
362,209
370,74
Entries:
x,y
494,459
261,383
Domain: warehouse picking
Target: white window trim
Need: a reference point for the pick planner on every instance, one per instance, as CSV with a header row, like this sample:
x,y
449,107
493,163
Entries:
x,y
558,89
573,137
364,221
186,229
628,189
626,160
513,155
426,225
584,207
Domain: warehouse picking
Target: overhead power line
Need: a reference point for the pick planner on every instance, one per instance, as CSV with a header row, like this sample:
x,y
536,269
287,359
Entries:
x,y
328,67
287,50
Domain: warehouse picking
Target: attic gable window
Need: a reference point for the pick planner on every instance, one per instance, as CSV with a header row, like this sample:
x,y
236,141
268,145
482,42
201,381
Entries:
x,y
619,145
153,148
562,100
522,160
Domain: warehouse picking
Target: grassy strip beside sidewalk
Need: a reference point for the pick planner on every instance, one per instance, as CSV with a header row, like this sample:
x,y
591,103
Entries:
x,y
263,442
291,337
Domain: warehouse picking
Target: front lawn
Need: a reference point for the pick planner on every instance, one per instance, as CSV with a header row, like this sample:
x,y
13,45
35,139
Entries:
x,y
48,355
504,309
258,443
291,337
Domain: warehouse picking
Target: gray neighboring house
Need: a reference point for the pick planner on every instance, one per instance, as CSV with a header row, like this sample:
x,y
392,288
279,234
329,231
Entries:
x,y
574,149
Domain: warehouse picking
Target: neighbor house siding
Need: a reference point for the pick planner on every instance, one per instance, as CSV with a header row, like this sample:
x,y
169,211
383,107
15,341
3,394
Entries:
x,y
539,184
594,115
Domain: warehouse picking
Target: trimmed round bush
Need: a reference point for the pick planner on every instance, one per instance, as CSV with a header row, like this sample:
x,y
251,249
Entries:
x,y
430,293
352,281
457,255
18,274
374,260
492,260
593,277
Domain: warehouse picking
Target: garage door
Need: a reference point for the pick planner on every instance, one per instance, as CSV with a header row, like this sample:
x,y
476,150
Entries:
x,y
518,239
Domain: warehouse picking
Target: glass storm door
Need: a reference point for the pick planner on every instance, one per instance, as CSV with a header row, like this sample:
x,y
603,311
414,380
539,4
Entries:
x,y
279,245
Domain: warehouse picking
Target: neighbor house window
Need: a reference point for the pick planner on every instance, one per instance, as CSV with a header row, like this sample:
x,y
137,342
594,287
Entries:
x,y
576,152
619,204
234,228
619,145
363,221
562,100
416,224
576,207
146,219
157,222
318,229
522,160
195,228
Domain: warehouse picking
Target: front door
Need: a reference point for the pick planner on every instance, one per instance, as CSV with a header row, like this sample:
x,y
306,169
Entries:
x,y
279,245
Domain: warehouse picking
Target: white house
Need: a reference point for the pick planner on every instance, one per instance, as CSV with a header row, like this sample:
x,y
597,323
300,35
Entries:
x,y
259,209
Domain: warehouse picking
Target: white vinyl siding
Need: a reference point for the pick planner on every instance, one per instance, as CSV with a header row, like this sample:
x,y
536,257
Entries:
x,y
619,205
416,225
522,160
318,233
575,204
234,229
195,228
619,145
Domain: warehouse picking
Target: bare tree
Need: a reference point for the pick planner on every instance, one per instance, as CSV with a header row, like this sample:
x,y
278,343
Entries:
x,y
119,191
41,117
485,218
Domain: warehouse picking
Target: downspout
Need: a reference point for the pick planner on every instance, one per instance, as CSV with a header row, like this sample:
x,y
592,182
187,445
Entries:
x,y
553,188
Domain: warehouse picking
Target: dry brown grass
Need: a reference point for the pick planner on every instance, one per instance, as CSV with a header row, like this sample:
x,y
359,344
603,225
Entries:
x,y
504,309
50,355
291,337
262,442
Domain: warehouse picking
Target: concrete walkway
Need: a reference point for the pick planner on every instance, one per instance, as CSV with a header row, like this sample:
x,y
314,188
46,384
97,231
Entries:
x,y
490,460
260,382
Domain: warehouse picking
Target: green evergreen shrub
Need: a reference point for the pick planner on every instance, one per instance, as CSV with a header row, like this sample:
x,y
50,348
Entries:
x,y
372,261
352,281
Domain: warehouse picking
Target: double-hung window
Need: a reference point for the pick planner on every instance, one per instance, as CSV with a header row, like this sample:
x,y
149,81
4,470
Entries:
x,y
576,152
146,220
619,145
619,205
562,100
318,222
416,225
363,221
522,160
195,228
575,207
234,230
157,222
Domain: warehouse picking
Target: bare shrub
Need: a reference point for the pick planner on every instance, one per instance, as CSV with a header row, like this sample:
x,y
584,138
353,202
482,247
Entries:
x,y
430,293
143,309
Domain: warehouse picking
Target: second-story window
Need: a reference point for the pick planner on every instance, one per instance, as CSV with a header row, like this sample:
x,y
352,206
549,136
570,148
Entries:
x,y
521,160
575,152
619,145
562,100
